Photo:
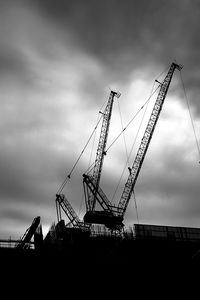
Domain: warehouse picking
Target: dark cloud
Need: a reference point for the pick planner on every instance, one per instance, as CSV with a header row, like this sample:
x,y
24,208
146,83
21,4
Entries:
x,y
167,189
119,31
125,35
57,62
130,35
10,61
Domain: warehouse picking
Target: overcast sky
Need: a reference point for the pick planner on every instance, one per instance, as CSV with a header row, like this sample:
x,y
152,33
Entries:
x,y
58,62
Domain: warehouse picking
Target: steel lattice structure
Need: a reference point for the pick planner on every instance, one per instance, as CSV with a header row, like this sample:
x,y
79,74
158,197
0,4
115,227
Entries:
x,y
116,214
137,164
91,196
62,202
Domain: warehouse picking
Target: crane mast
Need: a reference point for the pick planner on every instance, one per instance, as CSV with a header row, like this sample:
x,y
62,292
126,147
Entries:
x,y
137,164
91,196
91,183
112,216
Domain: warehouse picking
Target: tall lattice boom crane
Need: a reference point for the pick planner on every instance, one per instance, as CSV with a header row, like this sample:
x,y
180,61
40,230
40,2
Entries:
x,y
113,218
137,164
91,194
90,186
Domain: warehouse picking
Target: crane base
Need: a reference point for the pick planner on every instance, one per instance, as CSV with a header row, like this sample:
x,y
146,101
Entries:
x,y
105,218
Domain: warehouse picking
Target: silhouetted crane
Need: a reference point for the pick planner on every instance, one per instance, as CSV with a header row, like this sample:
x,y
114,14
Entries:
x,y
113,216
25,240
91,182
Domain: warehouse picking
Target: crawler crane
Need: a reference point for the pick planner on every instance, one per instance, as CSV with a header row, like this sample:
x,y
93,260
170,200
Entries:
x,y
91,183
94,179
92,190
113,216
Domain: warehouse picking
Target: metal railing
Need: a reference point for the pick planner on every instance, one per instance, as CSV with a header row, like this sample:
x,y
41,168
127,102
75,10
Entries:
x,y
9,243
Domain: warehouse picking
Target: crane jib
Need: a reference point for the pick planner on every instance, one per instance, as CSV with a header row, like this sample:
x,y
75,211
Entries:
x,y
70,212
91,196
134,171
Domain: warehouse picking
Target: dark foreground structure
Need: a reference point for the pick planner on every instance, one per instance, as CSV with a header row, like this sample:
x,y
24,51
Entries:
x,y
143,245
147,258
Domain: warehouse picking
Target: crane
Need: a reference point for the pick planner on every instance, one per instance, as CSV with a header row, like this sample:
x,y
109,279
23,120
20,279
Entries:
x,y
28,234
91,195
92,190
113,217
109,216
137,164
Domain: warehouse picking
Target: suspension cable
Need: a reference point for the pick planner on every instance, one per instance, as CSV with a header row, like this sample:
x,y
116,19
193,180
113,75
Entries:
x,y
122,132
69,175
164,71
141,122
93,142
189,110
132,118
130,152
153,92
125,145
91,166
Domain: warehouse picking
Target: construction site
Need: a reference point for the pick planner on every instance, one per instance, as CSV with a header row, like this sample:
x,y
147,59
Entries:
x,y
101,238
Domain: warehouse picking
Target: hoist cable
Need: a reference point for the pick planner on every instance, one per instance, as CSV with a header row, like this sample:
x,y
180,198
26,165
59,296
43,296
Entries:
x,y
189,110
90,168
132,119
164,71
130,152
125,145
69,175
141,122
93,142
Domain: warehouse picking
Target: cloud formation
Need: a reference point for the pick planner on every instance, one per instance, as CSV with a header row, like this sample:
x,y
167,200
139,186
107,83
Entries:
x,y
57,62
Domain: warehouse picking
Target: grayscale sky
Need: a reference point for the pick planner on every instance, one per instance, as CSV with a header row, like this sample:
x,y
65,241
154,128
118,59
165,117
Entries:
x,y
58,62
